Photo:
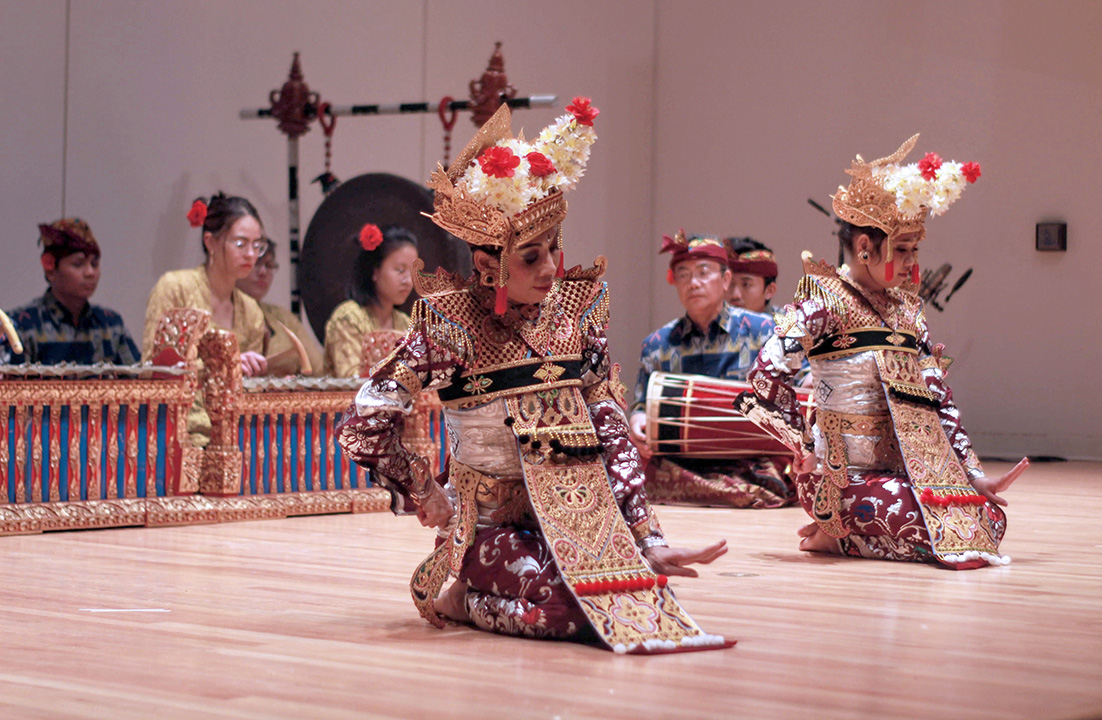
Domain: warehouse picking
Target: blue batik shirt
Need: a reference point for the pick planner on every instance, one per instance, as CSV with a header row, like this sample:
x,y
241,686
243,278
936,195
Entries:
x,y
727,349
51,335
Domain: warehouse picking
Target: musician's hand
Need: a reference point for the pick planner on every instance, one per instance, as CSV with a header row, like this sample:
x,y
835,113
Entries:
x,y
674,561
990,487
435,510
253,364
637,429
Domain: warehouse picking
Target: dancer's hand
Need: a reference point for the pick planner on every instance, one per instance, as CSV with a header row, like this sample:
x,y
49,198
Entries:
x,y
434,510
990,487
803,464
674,561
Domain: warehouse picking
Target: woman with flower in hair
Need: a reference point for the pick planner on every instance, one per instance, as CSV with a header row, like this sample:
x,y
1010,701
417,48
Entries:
x,y
886,468
233,238
381,281
541,516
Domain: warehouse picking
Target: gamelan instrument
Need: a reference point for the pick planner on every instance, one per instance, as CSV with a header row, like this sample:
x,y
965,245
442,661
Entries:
x,y
694,416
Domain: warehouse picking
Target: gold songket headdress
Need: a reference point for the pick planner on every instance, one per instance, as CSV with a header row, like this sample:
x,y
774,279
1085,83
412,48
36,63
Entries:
x,y
897,198
501,191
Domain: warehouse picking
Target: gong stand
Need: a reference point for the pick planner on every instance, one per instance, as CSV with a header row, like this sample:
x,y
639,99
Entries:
x,y
296,107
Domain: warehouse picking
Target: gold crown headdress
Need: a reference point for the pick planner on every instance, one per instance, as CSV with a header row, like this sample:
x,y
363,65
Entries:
x,y
897,199
501,191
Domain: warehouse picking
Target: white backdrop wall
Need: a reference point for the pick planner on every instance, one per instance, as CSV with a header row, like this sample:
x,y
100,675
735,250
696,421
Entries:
x,y
716,116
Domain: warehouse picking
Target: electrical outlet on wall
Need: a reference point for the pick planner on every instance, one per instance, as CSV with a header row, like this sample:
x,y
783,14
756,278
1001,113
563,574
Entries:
x,y
1052,237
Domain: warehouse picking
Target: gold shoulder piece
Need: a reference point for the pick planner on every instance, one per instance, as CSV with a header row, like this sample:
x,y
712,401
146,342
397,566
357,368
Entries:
x,y
592,273
437,283
817,267
815,286
440,327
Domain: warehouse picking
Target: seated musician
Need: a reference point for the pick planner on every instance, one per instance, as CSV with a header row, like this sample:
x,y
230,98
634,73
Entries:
x,y
718,340
233,239
753,275
381,281
283,356
62,326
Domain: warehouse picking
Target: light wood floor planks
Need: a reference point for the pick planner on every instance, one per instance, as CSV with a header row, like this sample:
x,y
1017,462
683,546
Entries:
x,y
311,618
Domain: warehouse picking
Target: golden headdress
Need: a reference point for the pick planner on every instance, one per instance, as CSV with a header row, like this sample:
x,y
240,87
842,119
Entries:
x,y
501,191
897,198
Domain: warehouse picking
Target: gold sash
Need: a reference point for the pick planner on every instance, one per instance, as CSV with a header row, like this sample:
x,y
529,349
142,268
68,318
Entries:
x,y
627,604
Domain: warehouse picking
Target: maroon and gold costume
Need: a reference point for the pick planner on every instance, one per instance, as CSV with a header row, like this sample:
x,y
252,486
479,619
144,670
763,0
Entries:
x,y
550,515
892,480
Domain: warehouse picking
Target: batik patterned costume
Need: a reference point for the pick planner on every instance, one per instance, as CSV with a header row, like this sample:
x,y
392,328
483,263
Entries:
x,y
895,467
344,336
551,518
727,350
51,335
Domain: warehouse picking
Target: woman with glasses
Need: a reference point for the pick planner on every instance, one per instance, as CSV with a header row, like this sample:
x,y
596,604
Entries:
x,y
283,356
233,240
381,281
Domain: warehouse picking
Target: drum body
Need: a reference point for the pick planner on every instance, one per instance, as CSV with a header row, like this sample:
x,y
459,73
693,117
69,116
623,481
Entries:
x,y
694,416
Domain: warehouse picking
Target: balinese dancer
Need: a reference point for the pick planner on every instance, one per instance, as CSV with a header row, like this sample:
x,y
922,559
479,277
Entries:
x,y
887,470
543,519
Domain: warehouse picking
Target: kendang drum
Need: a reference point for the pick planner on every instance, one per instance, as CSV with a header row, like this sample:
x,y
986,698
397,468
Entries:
x,y
694,416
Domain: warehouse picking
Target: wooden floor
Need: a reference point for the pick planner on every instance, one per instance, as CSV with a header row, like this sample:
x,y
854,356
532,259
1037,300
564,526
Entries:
x,y
311,618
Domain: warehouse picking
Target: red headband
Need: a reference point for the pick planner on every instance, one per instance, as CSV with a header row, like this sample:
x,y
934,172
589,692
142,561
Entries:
x,y
695,249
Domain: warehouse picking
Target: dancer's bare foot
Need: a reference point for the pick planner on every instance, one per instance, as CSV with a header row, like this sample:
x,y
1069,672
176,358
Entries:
x,y
813,539
452,602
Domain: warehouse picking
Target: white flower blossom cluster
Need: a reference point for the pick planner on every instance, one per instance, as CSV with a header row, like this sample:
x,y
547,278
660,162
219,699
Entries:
x,y
565,143
913,192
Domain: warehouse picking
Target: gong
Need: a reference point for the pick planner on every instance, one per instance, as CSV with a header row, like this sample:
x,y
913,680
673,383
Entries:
x,y
329,251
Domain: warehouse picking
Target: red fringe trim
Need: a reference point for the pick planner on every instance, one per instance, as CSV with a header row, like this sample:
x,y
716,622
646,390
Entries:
x,y
600,587
916,276
930,498
561,270
501,301
889,271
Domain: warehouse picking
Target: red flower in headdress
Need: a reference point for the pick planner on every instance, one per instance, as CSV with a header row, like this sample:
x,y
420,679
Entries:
x,y
371,237
499,162
538,164
971,171
197,214
929,165
583,112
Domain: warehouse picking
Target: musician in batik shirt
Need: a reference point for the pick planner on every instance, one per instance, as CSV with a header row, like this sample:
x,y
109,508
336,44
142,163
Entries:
x,y
542,518
717,340
886,468
62,326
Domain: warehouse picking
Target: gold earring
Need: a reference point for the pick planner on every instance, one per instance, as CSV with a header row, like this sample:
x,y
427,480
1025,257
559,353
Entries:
x,y
863,256
487,279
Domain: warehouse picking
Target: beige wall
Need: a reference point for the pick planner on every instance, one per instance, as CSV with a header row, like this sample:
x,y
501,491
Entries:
x,y
716,116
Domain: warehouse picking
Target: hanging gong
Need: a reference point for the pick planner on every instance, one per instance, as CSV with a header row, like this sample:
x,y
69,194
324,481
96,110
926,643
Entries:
x,y
329,249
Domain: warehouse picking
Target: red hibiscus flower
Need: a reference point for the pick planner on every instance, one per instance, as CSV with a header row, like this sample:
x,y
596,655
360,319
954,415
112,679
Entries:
x,y
197,214
583,112
499,162
371,237
538,164
971,171
929,165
